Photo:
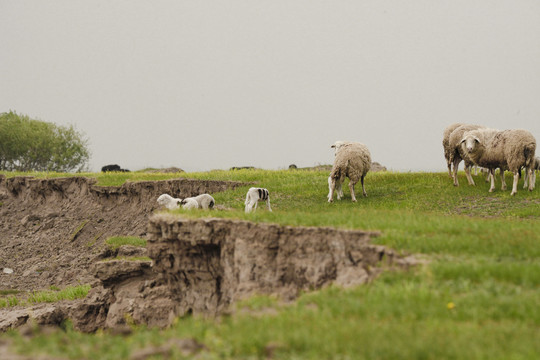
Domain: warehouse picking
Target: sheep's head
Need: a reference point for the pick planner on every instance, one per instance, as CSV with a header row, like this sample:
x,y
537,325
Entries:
x,y
164,199
338,144
470,143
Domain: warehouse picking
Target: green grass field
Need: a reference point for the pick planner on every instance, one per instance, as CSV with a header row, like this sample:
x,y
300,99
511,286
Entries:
x,y
478,297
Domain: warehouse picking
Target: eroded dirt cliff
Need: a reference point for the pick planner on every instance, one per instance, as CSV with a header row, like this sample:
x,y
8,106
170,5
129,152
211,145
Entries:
x,y
53,233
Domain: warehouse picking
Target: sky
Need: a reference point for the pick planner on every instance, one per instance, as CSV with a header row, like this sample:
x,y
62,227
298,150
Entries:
x,y
204,85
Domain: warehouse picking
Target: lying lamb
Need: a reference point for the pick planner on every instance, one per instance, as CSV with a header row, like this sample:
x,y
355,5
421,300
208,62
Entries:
x,y
189,203
168,201
353,160
508,150
204,201
253,196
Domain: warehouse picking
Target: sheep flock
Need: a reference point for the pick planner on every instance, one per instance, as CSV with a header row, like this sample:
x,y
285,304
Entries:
x,y
476,145
507,150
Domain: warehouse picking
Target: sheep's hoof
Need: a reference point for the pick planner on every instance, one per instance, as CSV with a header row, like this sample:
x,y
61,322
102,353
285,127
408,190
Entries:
x,y
330,200
490,190
354,200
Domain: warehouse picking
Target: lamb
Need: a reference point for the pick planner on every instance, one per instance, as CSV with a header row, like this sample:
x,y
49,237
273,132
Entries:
x,y
253,196
204,201
189,203
508,150
446,145
168,201
456,153
352,160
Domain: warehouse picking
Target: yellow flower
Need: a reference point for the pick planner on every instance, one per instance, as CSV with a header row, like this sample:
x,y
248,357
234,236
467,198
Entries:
x,y
450,305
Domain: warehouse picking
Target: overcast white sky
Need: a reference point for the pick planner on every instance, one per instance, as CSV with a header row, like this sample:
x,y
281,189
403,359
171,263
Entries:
x,y
212,84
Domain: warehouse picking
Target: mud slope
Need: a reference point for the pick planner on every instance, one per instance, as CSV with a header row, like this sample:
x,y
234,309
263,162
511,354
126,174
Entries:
x,y
52,230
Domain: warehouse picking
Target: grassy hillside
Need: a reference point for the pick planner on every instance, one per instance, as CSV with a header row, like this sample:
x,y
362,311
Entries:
x,y
477,298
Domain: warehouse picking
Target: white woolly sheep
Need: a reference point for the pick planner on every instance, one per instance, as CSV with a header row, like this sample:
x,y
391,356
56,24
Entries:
x,y
253,196
456,153
446,145
508,150
168,201
352,160
189,203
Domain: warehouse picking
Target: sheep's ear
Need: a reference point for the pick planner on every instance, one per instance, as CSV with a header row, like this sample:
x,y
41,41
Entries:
x,y
463,140
333,146
477,139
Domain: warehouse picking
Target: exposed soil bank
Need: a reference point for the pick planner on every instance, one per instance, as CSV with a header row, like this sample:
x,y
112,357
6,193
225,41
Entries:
x,y
52,230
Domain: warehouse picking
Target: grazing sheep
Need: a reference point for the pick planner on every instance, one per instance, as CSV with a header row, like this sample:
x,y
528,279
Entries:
x,y
352,160
535,167
189,203
446,145
456,153
253,196
508,150
205,201
168,201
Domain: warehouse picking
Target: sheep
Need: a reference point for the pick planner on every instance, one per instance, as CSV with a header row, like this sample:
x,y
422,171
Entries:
x,y
508,150
253,196
168,201
352,160
204,201
446,145
456,153
189,203
535,167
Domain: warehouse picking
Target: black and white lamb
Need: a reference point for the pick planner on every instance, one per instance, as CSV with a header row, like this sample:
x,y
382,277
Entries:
x,y
253,196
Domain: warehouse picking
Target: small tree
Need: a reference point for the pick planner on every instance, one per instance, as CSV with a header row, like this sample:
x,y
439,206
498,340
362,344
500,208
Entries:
x,y
33,145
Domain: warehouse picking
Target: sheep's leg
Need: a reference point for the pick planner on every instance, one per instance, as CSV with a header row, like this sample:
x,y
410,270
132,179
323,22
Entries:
x,y
468,174
363,188
526,181
339,190
530,172
449,164
503,179
351,188
268,203
249,206
456,165
515,184
332,186
255,205
492,178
